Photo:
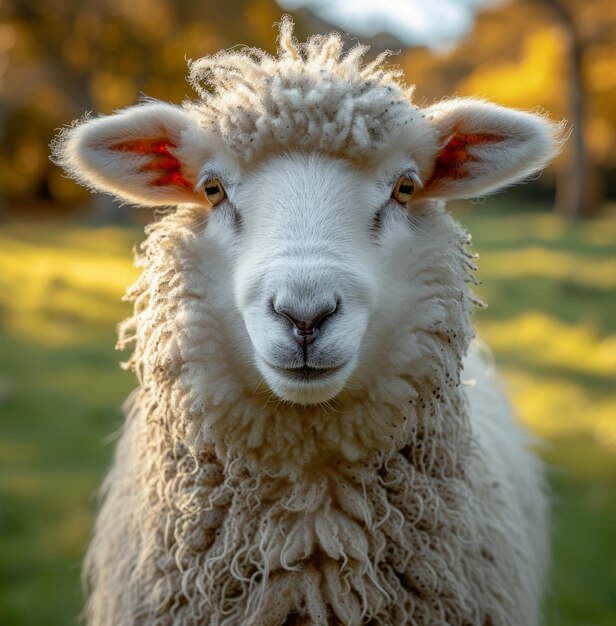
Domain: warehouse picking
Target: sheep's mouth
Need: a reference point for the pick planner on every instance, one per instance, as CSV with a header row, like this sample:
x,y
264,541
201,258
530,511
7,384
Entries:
x,y
306,372
306,385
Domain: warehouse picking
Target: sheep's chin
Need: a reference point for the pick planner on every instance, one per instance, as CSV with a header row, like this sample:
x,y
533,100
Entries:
x,y
306,392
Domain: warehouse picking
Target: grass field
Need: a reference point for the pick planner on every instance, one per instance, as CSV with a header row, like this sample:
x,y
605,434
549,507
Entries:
x,y
551,323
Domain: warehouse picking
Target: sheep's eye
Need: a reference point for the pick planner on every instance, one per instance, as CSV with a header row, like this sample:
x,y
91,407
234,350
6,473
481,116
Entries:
x,y
214,191
403,190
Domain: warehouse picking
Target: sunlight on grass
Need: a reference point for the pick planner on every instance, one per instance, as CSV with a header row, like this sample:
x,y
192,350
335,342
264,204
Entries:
x,y
49,292
555,407
501,222
543,340
535,261
551,367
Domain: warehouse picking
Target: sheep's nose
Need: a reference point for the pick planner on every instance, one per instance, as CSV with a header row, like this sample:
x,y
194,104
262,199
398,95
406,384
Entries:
x,y
306,325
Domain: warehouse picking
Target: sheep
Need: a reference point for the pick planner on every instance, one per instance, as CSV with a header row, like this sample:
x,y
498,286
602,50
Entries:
x,y
315,439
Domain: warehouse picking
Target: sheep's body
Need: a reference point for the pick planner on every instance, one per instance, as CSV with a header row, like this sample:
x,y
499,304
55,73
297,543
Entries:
x,y
378,488
153,558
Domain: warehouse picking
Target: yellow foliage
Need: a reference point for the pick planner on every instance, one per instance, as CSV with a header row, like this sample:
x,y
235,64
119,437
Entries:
x,y
152,20
112,91
600,134
261,15
600,68
76,53
538,77
518,55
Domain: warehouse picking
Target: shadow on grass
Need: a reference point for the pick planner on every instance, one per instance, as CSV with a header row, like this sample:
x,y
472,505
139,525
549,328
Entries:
x,y
599,384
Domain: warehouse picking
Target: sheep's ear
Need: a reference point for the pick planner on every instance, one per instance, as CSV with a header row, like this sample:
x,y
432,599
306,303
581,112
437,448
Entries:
x,y
482,147
142,154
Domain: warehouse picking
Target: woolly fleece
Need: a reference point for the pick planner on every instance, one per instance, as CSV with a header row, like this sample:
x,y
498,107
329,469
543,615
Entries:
x,y
417,503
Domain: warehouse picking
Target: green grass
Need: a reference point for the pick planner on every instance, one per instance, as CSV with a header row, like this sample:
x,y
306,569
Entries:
x,y
60,396
552,294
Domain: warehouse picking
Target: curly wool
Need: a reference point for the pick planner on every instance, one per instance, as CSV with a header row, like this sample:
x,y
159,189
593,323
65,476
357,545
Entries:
x,y
207,526
258,103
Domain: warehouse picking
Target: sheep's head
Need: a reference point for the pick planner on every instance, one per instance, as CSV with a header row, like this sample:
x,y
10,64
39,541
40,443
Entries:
x,y
316,177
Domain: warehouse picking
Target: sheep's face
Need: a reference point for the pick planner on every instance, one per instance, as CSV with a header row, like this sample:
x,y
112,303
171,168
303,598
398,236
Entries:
x,y
313,237
314,250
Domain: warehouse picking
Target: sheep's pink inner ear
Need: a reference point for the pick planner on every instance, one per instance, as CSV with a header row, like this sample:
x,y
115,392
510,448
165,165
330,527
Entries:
x,y
161,161
456,154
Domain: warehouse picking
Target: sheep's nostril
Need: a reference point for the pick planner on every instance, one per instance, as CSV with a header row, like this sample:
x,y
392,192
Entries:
x,y
305,325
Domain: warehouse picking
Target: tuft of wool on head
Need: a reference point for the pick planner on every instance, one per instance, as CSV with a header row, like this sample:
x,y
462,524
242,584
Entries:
x,y
313,91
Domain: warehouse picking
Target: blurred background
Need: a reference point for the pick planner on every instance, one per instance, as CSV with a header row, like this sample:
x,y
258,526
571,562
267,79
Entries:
x,y
548,253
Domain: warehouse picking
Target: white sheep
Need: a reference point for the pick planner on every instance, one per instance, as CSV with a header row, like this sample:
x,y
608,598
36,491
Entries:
x,y
304,446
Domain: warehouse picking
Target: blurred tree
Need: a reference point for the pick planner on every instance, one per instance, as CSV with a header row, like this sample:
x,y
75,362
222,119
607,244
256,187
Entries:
x,y
586,25
59,59
555,54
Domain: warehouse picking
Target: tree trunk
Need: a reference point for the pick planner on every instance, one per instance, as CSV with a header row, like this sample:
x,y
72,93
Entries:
x,y
574,191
